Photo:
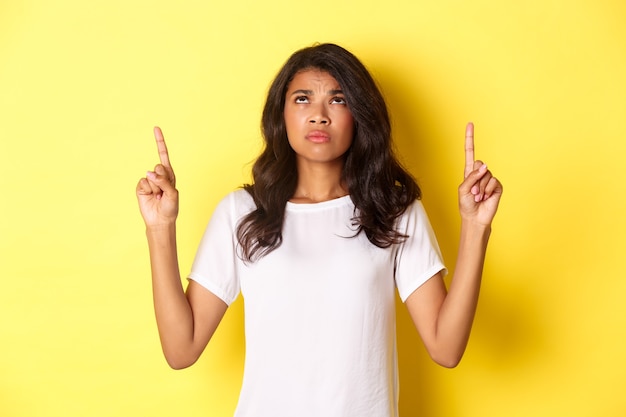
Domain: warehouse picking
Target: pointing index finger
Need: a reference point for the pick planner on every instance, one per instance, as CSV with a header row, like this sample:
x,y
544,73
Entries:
x,y
163,155
469,149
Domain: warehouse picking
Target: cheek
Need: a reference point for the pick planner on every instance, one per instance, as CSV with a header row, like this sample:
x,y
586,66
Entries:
x,y
292,118
290,125
348,125
286,117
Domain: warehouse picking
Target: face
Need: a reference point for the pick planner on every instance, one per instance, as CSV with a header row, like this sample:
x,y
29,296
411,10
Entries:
x,y
318,121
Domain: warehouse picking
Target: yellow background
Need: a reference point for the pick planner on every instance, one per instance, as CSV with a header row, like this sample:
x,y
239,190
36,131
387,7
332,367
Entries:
x,y
83,82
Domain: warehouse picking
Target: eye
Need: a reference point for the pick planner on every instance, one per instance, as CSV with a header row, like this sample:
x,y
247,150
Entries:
x,y
338,100
301,99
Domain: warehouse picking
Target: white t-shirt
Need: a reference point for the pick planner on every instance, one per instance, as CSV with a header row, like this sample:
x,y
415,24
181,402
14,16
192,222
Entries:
x,y
320,309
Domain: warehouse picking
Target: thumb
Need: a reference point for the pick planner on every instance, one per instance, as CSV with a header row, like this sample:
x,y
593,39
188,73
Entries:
x,y
161,181
472,179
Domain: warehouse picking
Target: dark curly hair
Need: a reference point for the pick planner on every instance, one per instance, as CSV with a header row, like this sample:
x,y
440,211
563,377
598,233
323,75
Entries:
x,y
379,187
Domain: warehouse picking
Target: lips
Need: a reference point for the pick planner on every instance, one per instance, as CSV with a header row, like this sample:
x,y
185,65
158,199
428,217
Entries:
x,y
318,136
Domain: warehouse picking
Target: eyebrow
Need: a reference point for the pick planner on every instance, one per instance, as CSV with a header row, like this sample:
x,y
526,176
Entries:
x,y
310,92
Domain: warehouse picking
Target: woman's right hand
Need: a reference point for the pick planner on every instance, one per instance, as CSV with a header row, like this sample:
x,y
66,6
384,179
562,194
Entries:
x,y
156,193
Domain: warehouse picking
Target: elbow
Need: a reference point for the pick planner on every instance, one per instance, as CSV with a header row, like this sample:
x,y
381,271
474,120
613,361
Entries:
x,y
178,365
448,360
179,361
449,363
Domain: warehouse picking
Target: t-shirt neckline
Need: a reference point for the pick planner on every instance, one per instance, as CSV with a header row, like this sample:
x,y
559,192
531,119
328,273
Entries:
x,y
335,202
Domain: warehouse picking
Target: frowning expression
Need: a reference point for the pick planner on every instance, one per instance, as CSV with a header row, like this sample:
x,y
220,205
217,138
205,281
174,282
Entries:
x,y
319,123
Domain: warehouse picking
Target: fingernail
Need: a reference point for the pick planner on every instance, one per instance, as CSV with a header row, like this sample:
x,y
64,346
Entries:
x,y
150,175
483,168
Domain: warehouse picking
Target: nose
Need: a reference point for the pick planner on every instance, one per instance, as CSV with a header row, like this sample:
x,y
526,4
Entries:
x,y
319,115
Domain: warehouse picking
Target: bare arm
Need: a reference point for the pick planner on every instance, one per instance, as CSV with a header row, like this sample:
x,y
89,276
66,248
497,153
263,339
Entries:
x,y
186,321
444,319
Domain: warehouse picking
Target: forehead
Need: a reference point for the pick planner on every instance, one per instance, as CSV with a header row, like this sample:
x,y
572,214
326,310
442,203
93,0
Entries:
x,y
313,77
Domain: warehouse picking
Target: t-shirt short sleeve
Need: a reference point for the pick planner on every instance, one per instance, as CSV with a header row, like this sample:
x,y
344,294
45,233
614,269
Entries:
x,y
418,257
215,264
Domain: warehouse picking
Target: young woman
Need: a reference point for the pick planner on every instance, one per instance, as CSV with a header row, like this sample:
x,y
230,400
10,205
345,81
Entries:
x,y
318,244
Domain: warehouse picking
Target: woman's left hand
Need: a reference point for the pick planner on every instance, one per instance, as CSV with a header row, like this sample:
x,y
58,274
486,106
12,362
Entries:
x,y
480,192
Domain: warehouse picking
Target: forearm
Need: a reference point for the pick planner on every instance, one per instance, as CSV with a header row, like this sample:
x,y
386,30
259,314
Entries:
x,y
444,317
173,312
457,312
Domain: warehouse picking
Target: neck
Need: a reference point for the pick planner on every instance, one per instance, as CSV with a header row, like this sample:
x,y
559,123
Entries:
x,y
319,183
